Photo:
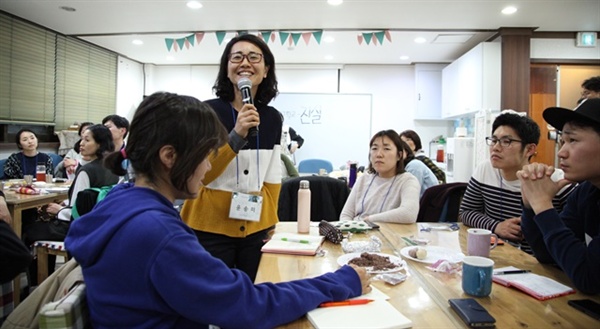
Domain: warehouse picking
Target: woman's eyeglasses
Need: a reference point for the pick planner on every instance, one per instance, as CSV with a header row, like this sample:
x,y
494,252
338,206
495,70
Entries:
x,y
252,57
504,141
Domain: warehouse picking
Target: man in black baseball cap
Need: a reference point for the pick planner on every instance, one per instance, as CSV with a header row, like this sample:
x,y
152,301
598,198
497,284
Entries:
x,y
570,239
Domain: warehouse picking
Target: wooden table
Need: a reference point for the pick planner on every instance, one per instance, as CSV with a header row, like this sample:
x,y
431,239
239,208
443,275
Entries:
x,y
423,297
409,297
16,204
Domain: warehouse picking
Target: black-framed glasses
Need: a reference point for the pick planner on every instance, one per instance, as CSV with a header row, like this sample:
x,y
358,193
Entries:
x,y
252,57
504,141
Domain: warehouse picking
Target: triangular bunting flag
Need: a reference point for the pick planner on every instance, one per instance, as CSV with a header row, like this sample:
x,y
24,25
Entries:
x,y
220,36
187,43
374,39
272,37
169,43
296,37
306,37
199,37
265,35
190,39
388,36
380,36
368,37
180,42
283,36
318,35
360,39
175,46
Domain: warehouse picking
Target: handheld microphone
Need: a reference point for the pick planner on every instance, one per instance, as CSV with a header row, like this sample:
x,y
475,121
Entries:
x,y
245,87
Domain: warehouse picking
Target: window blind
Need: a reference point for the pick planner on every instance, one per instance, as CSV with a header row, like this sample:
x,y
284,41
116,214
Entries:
x,y
27,56
86,82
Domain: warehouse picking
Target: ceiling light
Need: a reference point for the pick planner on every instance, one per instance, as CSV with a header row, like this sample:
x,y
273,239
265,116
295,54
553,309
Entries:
x,y
137,42
194,5
404,57
67,8
329,39
509,10
420,40
170,58
335,2
329,57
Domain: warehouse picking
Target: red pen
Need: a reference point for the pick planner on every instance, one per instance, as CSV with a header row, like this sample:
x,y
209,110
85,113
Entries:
x,y
346,302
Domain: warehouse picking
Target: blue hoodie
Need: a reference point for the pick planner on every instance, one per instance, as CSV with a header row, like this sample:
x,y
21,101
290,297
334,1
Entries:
x,y
144,268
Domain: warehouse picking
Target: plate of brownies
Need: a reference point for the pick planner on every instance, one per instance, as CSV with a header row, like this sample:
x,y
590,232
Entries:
x,y
374,262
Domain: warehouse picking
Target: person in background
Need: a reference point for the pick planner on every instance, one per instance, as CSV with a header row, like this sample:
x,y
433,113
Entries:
x,y
25,161
72,160
418,169
96,142
591,88
413,140
492,199
569,238
144,251
119,127
15,257
244,167
290,141
386,192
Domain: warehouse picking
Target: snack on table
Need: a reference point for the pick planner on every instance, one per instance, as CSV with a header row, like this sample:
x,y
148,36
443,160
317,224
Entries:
x,y
376,262
418,253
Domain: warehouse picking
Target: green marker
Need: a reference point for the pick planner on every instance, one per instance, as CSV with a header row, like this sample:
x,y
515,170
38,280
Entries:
x,y
295,240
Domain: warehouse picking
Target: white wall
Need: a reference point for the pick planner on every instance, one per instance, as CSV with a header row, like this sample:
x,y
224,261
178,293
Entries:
x,y
561,48
130,86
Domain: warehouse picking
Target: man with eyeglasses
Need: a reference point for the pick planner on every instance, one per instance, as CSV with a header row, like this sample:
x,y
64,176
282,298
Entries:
x,y
492,200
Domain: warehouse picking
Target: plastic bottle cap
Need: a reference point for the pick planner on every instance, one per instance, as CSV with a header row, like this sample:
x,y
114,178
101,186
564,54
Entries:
x,y
304,184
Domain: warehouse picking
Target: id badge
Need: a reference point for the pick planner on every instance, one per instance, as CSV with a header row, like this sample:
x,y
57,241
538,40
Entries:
x,y
245,206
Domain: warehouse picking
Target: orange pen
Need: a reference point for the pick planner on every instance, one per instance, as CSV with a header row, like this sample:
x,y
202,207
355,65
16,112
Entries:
x,y
346,302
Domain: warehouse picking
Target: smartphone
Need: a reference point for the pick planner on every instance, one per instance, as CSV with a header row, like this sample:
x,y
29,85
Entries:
x,y
371,224
472,313
587,306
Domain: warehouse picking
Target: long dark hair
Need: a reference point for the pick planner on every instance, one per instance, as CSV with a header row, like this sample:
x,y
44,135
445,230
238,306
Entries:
x,y
267,90
393,135
82,126
103,137
191,127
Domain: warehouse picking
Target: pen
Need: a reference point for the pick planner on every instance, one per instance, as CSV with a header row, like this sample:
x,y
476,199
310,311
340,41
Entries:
x,y
346,302
295,240
512,272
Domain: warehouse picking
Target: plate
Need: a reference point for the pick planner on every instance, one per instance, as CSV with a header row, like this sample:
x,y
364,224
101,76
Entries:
x,y
435,253
344,259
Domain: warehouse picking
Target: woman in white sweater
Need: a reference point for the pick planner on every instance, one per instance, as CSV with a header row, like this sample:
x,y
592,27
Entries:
x,y
386,192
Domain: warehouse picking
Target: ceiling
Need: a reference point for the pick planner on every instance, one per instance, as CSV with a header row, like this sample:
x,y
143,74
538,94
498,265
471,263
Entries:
x,y
449,28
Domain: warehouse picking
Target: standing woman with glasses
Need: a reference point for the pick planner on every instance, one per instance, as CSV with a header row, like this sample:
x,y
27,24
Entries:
x,y
492,200
229,221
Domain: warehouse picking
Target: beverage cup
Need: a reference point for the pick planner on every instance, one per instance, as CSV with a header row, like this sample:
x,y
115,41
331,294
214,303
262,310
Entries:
x,y
28,179
477,276
49,179
479,242
40,173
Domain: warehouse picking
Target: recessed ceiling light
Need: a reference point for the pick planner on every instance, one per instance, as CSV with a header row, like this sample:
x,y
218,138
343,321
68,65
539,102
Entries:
x,y
335,2
329,39
404,57
194,5
420,40
329,57
67,8
170,58
137,42
509,10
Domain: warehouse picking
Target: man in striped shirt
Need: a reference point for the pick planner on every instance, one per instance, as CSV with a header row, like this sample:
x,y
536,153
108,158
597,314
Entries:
x,y
492,200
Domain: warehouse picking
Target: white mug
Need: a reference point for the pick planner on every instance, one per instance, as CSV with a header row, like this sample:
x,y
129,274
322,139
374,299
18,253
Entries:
x,y
479,242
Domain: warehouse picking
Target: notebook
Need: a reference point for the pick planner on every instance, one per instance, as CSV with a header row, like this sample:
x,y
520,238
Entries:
x,y
293,244
538,286
378,314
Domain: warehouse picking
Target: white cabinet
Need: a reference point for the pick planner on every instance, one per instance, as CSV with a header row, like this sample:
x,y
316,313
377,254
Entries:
x,y
428,82
472,82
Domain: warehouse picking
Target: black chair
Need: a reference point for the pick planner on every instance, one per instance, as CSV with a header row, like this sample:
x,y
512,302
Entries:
x,y
440,203
328,196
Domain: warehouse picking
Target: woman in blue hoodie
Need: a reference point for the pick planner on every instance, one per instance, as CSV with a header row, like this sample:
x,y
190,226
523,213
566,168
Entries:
x,y
144,267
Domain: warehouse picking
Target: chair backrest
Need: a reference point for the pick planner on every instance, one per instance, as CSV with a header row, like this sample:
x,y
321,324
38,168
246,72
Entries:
x,y
328,196
440,203
2,162
312,166
56,159
70,312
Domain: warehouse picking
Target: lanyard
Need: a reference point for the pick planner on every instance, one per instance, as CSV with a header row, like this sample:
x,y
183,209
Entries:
x,y
237,162
384,198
